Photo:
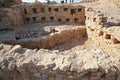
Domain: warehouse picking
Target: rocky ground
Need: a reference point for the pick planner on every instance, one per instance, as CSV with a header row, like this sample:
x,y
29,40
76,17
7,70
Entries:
x,y
18,63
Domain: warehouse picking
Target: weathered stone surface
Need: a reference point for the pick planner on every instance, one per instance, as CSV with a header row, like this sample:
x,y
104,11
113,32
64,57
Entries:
x,y
11,66
80,64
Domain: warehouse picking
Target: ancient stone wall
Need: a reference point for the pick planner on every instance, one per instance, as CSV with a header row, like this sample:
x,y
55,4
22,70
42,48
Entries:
x,y
11,17
38,12
52,39
94,20
15,18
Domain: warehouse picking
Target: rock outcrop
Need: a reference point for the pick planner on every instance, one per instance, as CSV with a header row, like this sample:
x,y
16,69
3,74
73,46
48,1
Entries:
x,y
25,64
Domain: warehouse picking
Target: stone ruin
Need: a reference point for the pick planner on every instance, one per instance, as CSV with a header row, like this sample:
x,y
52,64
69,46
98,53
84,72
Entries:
x,y
37,12
38,31
28,13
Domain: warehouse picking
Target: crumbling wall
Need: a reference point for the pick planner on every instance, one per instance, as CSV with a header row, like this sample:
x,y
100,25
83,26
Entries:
x,y
94,21
98,31
53,39
11,17
15,18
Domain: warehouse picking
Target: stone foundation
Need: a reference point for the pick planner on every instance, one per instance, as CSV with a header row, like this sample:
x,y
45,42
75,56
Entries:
x,y
51,40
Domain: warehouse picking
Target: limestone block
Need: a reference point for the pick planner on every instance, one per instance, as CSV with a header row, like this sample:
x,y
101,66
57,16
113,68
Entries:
x,y
11,66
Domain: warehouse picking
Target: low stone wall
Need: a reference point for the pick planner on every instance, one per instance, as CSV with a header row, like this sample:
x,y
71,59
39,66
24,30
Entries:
x,y
52,39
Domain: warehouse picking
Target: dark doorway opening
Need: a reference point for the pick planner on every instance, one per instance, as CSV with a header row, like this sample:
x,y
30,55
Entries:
x,y
59,19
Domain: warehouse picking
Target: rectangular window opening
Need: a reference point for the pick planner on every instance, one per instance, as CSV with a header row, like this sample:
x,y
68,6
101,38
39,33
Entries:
x,y
65,9
59,19
34,10
73,11
56,9
67,19
79,10
34,18
76,19
27,20
51,18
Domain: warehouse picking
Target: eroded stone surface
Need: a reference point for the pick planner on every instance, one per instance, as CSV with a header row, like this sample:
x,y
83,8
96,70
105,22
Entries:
x,y
53,64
